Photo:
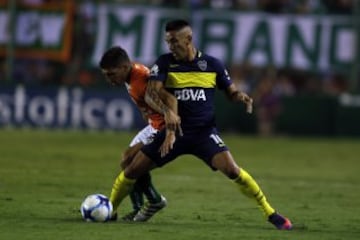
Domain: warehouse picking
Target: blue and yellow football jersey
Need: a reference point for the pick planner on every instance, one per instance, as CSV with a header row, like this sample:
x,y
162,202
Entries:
x,y
193,84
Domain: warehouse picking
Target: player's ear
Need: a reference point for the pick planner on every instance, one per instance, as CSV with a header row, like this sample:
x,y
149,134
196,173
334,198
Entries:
x,y
126,66
190,38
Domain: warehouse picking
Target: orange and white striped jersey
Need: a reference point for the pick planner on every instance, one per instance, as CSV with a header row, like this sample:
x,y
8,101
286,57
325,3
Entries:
x,y
136,88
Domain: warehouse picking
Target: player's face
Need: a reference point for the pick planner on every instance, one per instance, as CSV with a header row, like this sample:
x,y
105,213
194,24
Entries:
x,y
116,76
177,42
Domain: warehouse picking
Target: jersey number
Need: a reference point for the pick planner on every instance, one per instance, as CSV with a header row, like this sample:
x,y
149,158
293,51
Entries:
x,y
217,140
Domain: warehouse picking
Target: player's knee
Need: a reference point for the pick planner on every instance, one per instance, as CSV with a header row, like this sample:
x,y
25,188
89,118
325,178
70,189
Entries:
x,y
123,163
126,159
231,173
226,164
230,170
132,171
140,165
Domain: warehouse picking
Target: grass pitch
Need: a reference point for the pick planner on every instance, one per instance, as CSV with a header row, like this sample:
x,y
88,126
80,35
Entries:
x,y
45,175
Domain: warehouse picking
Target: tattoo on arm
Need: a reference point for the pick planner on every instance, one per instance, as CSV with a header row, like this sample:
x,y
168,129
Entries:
x,y
153,99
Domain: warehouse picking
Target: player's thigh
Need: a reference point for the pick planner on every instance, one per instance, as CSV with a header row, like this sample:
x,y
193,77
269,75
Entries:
x,y
213,151
206,145
152,150
140,165
144,136
129,154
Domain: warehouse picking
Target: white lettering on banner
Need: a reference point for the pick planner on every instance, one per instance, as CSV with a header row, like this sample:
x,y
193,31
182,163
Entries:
x,y
20,101
349,100
25,28
51,36
41,110
76,107
67,108
115,114
33,27
310,42
92,110
346,38
102,35
62,105
5,111
138,30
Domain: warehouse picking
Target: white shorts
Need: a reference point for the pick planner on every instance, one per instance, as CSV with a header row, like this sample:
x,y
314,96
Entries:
x,y
145,136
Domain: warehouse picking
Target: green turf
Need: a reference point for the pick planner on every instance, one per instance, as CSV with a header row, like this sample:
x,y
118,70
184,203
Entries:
x,y
45,175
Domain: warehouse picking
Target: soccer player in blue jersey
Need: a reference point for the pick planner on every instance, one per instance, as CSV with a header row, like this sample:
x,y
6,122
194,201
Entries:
x,y
192,77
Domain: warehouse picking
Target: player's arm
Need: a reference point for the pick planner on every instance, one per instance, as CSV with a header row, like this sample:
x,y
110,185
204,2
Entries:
x,y
237,96
163,102
168,104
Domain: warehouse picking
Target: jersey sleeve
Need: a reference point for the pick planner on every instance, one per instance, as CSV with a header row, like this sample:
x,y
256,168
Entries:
x,y
223,79
159,70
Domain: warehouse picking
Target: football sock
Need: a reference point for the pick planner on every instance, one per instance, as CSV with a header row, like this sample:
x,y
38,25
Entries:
x,y
250,188
148,188
120,189
136,196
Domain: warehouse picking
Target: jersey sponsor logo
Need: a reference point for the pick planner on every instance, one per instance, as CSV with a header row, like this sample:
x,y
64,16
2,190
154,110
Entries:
x,y
173,65
154,71
190,95
202,64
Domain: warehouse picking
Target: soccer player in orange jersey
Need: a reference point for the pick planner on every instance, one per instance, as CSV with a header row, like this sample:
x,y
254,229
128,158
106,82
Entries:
x,y
118,69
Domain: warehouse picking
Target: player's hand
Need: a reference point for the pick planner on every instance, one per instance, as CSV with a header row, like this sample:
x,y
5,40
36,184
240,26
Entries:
x,y
173,122
248,101
168,143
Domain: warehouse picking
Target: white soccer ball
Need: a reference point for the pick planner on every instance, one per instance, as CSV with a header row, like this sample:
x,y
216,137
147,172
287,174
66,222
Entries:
x,y
96,208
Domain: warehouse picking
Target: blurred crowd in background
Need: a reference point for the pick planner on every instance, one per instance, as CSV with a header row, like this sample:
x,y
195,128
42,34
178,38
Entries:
x,y
270,6
266,84
295,81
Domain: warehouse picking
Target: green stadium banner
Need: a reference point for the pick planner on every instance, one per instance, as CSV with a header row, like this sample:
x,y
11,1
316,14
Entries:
x,y
39,31
314,42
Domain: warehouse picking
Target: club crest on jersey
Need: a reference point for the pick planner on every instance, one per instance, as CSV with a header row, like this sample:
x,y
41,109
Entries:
x,y
202,65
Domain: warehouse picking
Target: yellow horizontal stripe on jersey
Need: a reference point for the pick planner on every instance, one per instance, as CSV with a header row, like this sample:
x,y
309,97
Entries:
x,y
191,79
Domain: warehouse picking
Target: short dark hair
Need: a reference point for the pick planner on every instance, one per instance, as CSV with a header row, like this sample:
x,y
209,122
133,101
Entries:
x,y
176,25
113,57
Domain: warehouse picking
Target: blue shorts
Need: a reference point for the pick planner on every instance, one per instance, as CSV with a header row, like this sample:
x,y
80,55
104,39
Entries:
x,y
204,144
